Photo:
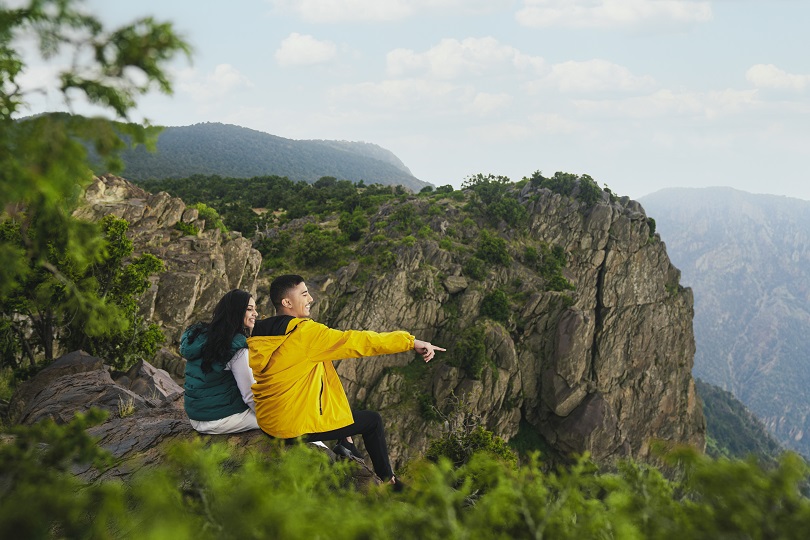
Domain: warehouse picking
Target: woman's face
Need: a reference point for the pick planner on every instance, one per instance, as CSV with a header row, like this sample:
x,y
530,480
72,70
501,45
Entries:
x,y
250,315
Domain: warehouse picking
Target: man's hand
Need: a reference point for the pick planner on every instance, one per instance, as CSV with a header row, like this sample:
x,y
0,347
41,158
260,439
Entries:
x,y
427,350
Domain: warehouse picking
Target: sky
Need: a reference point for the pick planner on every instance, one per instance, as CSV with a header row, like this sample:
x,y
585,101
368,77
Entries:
x,y
639,94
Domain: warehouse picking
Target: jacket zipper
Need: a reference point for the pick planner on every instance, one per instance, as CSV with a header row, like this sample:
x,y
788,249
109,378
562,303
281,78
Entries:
x,y
320,399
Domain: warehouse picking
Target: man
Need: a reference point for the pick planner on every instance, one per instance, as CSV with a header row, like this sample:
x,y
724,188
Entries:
x,y
297,390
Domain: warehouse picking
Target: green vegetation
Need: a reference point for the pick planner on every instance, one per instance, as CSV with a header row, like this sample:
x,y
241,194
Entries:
x,y
188,229
549,262
460,445
248,204
53,284
469,352
733,431
496,306
317,246
212,218
582,188
473,490
219,149
494,198
492,249
50,305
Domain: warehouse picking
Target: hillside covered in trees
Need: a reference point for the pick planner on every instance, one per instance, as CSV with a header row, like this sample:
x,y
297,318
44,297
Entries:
x,y
234,151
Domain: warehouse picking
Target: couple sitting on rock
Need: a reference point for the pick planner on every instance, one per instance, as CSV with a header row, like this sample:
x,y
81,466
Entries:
x,y
277,374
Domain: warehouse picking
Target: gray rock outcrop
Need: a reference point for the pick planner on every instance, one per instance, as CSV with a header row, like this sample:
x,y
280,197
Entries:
x,y
144,414
605,368
199,269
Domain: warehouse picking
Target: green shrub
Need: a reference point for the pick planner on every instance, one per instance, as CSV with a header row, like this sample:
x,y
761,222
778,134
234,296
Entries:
x,y
316,247
459,447
386,259
206,489
188,229
427,408
492,248
470,352
408,240
496,306
530,256
210,215
475,268
446,244
651,225
353,225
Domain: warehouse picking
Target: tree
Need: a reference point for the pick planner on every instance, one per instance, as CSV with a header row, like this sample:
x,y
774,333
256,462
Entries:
x,y
43,160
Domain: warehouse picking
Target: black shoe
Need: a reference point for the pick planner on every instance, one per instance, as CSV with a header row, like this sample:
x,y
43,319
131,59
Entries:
x,y
398,486
346,449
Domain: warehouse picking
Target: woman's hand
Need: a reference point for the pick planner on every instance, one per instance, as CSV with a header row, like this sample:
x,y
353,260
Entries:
x,y
427,350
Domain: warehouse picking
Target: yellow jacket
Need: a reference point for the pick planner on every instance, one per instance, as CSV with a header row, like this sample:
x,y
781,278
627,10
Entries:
x,y
297,390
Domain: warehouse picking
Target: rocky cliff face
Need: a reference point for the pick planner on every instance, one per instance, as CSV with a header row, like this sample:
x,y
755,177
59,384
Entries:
x,y
603,368
199,269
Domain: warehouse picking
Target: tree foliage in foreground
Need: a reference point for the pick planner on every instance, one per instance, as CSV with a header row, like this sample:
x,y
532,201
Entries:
x,y
205,490
43,160
40,314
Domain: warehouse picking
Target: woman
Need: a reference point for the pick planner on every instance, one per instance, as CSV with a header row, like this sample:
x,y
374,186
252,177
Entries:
x,y
218,397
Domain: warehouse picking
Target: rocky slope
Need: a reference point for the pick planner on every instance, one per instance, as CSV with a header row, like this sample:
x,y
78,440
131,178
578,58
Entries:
x,y
198,269
604,368
746,257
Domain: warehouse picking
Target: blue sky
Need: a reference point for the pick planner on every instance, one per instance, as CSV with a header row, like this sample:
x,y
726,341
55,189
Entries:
x,y
640,94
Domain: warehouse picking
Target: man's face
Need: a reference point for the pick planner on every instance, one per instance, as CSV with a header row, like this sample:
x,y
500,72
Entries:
x,y
300,301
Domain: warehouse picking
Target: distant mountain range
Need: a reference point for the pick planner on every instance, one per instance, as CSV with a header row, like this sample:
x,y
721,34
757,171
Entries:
x,y
238,152
747,259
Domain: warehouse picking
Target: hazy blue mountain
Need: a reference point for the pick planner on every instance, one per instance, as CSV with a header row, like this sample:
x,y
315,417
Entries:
x,y
747,259
238,152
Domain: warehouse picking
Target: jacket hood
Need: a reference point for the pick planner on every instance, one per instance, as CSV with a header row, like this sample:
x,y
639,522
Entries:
x,y
270,333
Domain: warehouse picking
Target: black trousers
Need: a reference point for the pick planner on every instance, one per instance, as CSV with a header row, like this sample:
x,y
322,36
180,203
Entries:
x,y
368,424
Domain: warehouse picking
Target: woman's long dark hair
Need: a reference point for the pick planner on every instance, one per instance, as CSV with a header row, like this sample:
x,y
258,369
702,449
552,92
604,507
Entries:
x,y
227,321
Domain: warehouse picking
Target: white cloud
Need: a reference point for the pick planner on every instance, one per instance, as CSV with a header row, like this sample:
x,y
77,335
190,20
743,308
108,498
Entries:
x,y
595,76
485,103
555,124
337,11
452,58
770,76
304,50
612,13
666,103
206,87
404,94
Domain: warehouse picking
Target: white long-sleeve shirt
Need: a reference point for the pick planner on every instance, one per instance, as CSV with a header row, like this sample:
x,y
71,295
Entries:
x,y
240,367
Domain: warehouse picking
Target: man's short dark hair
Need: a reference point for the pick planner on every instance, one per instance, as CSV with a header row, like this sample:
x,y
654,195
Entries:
x,y
281,286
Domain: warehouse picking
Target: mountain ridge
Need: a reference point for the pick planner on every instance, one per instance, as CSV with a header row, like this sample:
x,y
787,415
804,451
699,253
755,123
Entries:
x,y
213,148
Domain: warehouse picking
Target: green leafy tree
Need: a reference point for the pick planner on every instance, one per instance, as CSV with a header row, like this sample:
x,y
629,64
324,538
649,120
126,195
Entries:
x,y
44,162
470,351
496,306
120,280
353,225
316,246
492,248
